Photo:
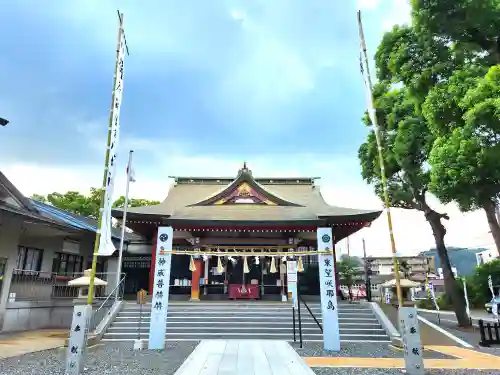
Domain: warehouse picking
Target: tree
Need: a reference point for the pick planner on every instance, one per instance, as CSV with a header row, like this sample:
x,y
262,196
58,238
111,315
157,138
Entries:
x,y
416,61
406,142
404,267
464,114
349,271
86,205
478,282
133,202
470,25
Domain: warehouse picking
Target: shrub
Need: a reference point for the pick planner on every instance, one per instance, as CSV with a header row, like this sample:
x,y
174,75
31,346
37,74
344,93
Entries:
x,y
426,304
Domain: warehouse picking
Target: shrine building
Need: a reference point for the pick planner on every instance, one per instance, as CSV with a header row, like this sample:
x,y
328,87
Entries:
x,y
216,214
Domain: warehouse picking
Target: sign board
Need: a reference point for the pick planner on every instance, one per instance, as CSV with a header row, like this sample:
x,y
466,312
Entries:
x,y
291,271
159,305
413,353
291,277
433,295
387,297
328,290
78,339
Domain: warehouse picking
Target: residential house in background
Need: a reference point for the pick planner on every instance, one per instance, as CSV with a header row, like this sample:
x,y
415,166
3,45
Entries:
x,y
463,259
416,265
41,249
485,256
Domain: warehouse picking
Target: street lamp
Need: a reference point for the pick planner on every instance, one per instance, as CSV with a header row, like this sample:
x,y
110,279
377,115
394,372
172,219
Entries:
x,y
3,121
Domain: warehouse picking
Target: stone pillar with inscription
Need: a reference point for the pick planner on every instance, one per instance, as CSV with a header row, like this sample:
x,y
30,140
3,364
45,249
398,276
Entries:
x,y
412,345
327,280
77,343
161,287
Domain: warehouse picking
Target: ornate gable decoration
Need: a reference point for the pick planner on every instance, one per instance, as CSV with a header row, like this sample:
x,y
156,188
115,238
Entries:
x,y
245,194
245,190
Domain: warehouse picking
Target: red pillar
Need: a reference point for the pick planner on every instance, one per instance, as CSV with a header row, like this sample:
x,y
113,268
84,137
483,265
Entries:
x,y
195,280
153,263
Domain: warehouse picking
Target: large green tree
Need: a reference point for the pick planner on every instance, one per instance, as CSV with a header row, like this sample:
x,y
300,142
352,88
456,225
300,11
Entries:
x,y
464,114
350,272
415,64
470,26
87,205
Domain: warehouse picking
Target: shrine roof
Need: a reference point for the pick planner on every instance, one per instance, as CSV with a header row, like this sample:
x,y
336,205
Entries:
x,y
246,199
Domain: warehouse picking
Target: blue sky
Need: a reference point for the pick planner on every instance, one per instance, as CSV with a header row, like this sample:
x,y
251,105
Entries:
x,y
208,84
229,79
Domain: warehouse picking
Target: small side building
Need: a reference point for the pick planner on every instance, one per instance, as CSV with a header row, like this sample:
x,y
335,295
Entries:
x,y
41,249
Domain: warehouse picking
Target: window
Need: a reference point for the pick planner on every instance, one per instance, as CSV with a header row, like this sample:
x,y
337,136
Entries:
x,y
29,259
67,264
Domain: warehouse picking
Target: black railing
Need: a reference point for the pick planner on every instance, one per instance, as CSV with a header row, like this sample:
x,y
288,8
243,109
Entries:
x,y
486,330
320,326
297,306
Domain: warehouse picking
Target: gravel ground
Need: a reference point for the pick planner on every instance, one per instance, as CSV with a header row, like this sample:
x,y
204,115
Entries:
x,y
370,350
379,371
120,358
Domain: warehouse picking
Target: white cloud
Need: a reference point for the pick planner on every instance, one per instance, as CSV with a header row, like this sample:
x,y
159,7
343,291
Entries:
x,y
368,4
388,12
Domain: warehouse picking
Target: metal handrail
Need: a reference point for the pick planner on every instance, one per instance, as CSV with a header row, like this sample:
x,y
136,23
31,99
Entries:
x,y
111,294
96,316
311,313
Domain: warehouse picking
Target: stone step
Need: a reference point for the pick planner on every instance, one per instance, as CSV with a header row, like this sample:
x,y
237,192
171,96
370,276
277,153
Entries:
x,y
255,305
195,336
145,322
236,313
240,329
243,318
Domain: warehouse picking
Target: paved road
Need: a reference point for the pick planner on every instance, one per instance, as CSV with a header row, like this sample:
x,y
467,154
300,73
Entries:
x,y
450,324
450,315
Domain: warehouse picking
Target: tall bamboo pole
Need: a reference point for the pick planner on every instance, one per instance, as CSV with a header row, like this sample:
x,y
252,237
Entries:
x,y
90,297
382,166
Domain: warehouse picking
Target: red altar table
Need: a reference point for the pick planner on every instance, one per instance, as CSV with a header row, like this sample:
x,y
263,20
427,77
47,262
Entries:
x,y
235,291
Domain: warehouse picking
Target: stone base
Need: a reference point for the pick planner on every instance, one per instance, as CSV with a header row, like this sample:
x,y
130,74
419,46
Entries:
x,y
139,345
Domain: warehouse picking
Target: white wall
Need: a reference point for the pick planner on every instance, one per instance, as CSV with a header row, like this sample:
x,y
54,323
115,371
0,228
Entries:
x,y
486,256
10,231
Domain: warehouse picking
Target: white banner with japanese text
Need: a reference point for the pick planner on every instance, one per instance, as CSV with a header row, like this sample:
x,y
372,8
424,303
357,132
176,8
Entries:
x,y
328,290
106,247
159,306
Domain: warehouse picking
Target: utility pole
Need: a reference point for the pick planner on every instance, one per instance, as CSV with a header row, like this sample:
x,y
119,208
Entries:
x,y
365,71
82,313
367,274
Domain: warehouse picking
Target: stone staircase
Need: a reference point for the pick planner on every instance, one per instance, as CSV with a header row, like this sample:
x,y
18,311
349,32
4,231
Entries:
x,y
244,320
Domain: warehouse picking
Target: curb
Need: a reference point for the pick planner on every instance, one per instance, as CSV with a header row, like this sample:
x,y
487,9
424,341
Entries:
x,y
386,324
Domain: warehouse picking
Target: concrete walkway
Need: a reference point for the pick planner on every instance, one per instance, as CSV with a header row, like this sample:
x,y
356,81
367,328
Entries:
x,y
15,344
244,357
